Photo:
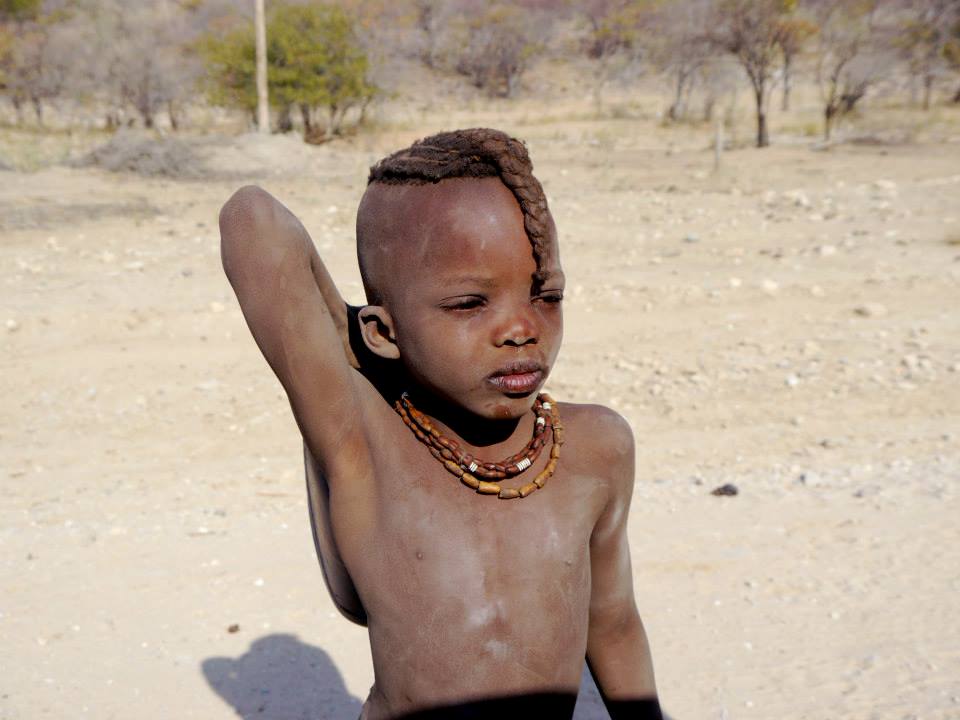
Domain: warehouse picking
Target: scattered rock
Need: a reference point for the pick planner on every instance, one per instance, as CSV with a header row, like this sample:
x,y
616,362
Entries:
x,y
827,250
770,286
811,479
798,198
233,628
691,239
791,380
889,187
726,490
870,310
12,325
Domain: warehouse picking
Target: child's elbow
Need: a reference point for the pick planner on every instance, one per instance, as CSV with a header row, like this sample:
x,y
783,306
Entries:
x,y
245,205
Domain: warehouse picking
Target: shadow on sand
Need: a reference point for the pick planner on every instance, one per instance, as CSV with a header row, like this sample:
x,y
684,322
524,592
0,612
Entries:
x,y
282,678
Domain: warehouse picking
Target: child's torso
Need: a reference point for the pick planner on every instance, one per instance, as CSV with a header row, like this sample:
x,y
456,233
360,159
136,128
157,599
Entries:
x,y
469,596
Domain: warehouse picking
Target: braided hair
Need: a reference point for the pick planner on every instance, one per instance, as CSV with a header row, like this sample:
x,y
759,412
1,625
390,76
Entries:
x,y
475,153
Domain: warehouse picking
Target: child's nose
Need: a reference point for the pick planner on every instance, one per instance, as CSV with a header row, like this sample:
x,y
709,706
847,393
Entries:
x,y
519,328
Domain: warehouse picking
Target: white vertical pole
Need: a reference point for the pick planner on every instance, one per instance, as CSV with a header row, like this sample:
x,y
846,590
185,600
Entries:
x,y
263,107
717,140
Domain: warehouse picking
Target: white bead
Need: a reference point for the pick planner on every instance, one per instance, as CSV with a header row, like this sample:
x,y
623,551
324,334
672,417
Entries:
x,y
546,405
473,467
524,464
541,421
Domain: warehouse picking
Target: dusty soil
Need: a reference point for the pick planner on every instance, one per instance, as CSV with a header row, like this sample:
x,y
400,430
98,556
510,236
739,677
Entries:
x,y
788,324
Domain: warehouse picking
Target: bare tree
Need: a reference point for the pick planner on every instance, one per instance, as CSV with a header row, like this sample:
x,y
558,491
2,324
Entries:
x,y
496,45
846,55
924,39
951,53
680,47
753,30
613,28
138,58
37,60
797,30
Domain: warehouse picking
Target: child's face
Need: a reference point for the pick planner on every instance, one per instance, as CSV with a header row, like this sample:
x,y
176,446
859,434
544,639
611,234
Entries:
x,y
472,327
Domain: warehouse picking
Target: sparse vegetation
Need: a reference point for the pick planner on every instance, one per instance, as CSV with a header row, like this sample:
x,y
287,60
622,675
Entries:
x,y
113,64
314,64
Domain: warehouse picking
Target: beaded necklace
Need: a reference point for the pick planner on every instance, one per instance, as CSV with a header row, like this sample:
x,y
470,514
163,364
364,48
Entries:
x,y
467,468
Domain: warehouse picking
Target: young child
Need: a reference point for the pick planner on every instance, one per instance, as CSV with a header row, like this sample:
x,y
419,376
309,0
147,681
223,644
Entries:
x,y
474,525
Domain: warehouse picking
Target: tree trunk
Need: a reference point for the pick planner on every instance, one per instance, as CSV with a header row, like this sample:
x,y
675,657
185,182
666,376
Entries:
x,y
172,113
144,103
787,81
363,109
331,123
956,95
284,121
763,137
676,110
18,106
709,104
38,109
511,83
147,115
927,90
599,76
717,143
307,120
828,113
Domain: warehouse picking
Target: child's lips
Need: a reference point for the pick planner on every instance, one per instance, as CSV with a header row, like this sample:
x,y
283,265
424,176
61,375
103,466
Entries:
x,y
520,383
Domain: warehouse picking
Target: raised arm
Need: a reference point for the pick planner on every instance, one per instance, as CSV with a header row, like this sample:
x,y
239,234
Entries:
x,y
617,651
298,320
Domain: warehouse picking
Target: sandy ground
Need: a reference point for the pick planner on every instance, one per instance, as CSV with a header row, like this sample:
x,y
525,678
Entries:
x,y
789,324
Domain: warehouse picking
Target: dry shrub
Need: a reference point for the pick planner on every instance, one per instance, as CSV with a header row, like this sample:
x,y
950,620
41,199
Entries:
x,y
144,155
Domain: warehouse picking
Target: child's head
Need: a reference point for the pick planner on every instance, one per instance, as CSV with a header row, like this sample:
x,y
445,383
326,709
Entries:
x,y
460,264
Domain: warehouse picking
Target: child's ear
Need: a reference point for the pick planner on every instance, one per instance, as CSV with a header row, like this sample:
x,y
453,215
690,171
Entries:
x,y
376,328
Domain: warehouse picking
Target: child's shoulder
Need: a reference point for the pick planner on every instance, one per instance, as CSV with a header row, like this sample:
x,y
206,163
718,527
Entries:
x,y
597,427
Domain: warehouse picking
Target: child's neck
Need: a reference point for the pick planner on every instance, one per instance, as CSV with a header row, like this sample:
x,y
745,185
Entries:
x,y
478,435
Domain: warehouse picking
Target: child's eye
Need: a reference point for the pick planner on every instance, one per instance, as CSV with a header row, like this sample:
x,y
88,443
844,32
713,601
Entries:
x,y
550,297
465,303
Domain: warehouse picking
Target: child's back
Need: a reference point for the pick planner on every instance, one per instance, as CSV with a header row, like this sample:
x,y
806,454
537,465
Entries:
x,y
469,598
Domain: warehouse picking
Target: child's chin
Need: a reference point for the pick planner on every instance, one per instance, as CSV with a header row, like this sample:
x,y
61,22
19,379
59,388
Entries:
x,y
511,408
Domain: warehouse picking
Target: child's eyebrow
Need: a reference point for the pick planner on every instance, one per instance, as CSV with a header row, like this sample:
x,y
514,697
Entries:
x,y
552,276
469,280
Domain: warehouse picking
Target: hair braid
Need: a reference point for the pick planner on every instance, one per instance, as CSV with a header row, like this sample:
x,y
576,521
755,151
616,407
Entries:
x,y
477,152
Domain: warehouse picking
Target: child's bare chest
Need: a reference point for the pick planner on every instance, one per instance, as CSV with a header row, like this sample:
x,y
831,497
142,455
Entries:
x,y
456,582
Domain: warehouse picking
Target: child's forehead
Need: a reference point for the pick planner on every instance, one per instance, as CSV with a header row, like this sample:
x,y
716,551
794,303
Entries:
x,y
411,218
416,203
415,233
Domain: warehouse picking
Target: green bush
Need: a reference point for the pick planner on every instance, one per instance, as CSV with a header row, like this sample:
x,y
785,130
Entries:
x,y
314,65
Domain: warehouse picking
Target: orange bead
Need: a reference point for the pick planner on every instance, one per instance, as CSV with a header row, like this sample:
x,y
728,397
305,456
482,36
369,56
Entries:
x,y
453,467
488,488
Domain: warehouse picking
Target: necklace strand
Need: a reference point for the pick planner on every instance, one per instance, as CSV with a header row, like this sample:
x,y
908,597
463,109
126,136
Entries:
x,y
467,468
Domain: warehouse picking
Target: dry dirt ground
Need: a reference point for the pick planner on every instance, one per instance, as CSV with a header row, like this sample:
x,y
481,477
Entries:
x,y
789,325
